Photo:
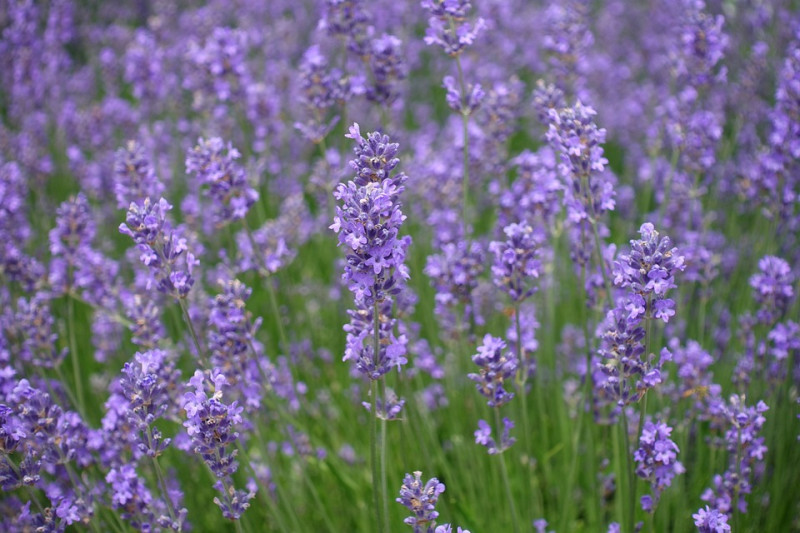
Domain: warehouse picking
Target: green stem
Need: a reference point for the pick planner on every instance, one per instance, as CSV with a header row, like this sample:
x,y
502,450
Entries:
x,y
626,448
465,132
504,473
73,349
192,332
273,303
373,458
163,482
384,482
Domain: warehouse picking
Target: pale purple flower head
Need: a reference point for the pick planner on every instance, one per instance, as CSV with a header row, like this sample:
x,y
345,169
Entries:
x,y
711,521
648,273
448,26
516,265
421,500
772,288
497,366
134,176
656,461
215,165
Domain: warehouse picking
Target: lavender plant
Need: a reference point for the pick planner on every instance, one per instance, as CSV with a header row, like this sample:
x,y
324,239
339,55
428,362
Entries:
x,y
538,136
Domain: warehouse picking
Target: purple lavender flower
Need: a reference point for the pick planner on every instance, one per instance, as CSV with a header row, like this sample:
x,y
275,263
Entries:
x,y
497,365
34,326
348,20
648,273
463,104
131,497
211,425
448,26
219,66
483,436
568,42
656,461
163,249
215,165
546,97
711,521
388,68
368,223
516,262
73,233
746,450
772,288
231,341
149,383
134,176
421,500
455,273
574,135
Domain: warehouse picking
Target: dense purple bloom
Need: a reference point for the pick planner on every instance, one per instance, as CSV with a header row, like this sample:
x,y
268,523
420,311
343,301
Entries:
x,y
73,233
421,500
34,327
648,273
231,338
211,425
149,383
368,222
348,20
134,176
449,27
498,366
219,66
574,135
547,97
711,521
455,273
516,264
772,288
656,461
568,43
388,68
215,165
163,248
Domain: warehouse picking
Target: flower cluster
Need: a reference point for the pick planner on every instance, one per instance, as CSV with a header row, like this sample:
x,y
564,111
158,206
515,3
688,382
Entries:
x,y
648,273
656,461
69,240
711,521
448,26
746,450
215,165
163,249
498,366
368,222
483,436
134,176
420,498
574,135
516,262
149,382
772,288
211,425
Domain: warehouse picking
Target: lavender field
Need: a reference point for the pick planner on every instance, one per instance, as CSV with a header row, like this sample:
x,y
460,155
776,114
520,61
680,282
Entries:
x,y
433,266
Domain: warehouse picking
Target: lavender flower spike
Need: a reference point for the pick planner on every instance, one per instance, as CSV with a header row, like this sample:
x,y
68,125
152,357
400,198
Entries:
x,y
497,365
421,501
368,223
